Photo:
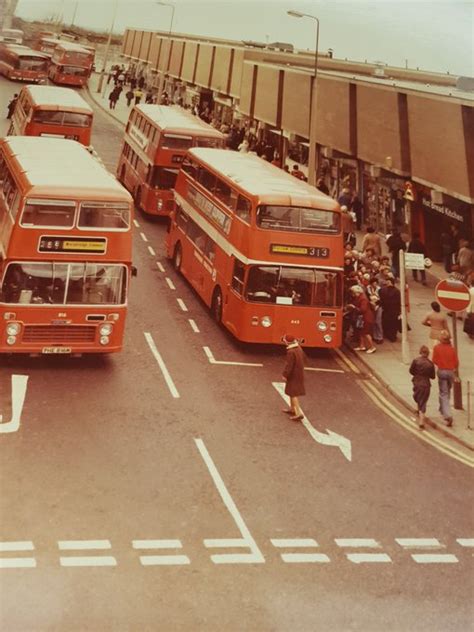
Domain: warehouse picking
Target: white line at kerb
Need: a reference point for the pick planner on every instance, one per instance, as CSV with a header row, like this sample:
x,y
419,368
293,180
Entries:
x,y
162,365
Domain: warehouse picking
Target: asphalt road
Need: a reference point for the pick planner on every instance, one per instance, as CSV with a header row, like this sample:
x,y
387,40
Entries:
x,y
129,502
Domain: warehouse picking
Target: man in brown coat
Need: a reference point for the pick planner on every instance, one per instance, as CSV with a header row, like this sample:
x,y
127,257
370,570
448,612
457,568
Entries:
x,y
293,374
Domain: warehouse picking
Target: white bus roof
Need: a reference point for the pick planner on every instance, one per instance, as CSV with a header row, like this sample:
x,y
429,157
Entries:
x,y
71,46
261,178
19,49
63,167
174,118
59,98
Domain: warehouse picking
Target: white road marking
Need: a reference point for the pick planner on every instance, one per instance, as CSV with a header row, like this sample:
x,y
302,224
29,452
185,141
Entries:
x,y
151,251
212,360
162,365
311,368
18,562
88,561
362,558
466,542
433,558
170,283
137,225
194,327
331,438
24,545
19,383
160,266
304,558
157,544
419,542
255,557
81,545
293,542
144,237
164,560
359,542
182,304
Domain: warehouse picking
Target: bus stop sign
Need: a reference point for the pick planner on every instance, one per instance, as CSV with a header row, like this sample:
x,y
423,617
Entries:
x,y
453,295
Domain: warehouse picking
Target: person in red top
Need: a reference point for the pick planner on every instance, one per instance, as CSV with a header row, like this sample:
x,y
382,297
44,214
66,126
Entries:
x,y
446,360
296,171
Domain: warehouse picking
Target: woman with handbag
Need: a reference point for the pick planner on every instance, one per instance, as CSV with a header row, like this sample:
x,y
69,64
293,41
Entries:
x,y
364,320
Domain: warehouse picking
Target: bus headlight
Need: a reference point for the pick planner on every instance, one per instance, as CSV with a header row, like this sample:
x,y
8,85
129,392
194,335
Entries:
x,y
13,329
327,338
105,330
266,321
11,340
321,325
104,340
159,205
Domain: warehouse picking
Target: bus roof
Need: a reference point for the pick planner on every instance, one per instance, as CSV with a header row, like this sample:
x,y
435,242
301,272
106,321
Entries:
x,y
261,178
56,166
71,47
56,98
175,119
19,50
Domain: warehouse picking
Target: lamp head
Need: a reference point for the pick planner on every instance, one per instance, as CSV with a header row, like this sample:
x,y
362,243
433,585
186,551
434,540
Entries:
x,y
295,14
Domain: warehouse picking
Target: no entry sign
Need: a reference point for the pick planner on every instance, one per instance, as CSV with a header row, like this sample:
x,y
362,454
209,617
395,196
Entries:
x,y
453,295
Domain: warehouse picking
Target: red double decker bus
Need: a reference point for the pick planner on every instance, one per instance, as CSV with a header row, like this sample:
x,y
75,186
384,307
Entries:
x,y
71,64
65,249
23,63
263,249
46,42
155,142
54,112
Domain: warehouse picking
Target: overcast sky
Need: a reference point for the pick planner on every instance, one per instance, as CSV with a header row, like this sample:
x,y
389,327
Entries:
x,y
430,34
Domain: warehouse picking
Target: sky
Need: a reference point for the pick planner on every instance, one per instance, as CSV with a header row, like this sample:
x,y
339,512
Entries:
x,y
428,34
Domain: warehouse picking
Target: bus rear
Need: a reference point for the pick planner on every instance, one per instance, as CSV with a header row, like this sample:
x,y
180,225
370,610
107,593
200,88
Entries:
x,y
263,249
66,250
53,112
23,64
71,64
156,140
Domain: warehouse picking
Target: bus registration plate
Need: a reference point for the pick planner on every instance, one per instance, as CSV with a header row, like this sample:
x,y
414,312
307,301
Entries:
x,y
56,350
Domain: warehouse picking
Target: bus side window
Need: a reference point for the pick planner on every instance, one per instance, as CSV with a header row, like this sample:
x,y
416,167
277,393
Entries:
x,y
243,209
238,277
210,249
206,179
222,192
181,219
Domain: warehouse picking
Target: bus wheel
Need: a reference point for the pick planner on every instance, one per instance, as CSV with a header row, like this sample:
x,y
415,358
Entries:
x,y
216,306
177,257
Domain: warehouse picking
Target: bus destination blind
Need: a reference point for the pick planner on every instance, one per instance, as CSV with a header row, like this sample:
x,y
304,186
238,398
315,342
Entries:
x,y
304,251
95,245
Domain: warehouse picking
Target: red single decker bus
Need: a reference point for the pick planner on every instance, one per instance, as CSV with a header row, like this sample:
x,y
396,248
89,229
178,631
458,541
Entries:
x,y
155,142
65,249
263,249
23,63
71,64
45,43
52,111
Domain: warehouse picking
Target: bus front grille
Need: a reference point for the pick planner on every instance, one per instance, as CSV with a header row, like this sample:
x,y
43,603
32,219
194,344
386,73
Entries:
x,y
59,334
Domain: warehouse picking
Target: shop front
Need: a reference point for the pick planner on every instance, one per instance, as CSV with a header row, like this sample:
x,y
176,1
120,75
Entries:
x,y
386,207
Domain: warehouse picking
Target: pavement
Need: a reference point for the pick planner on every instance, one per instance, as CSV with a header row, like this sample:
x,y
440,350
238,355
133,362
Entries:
x,y
387,363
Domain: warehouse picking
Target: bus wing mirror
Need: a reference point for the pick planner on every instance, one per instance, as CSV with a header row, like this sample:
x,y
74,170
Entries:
x,y
134,271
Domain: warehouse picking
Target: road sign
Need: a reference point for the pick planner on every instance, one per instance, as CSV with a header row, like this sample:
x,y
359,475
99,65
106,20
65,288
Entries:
x,y
453,295
414,261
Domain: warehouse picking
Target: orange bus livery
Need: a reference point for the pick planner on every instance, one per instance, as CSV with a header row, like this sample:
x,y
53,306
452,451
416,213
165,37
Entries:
x,y
54,112
71,64
65,249
155,142
23,63
263,249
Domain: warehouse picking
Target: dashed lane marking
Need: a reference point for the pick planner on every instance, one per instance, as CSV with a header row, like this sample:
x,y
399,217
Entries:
x,y
17,547
160,266
368,558
161,560
194,327
170,283
144,237
300,558
151,251
86,560
358,542
408,543
182,304
162,365
136,224
19,383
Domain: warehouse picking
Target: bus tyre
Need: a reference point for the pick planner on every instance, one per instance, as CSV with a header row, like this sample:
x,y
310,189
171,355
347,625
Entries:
x,y
216,306
177,257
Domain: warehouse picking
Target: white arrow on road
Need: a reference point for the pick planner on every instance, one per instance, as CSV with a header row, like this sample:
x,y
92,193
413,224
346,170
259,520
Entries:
x,y
19,383
331,438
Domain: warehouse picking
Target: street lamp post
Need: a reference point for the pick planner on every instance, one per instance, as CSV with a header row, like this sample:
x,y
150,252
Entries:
x,y
312,166
106,53
162,75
